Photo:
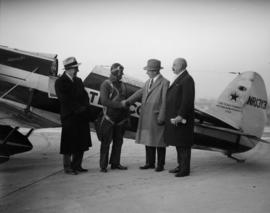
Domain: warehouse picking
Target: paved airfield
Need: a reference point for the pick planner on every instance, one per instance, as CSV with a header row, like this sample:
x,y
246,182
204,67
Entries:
x,y
35,182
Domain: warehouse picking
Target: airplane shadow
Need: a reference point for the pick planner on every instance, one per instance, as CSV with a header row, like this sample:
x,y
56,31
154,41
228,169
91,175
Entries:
x,y
26,164
227,167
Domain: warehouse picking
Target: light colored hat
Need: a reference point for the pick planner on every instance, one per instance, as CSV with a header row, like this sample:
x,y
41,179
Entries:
x,y
70,62
153,64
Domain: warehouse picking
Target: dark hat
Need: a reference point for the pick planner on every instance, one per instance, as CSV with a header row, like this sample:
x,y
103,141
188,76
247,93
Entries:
x,y
153,64
116,67
70,62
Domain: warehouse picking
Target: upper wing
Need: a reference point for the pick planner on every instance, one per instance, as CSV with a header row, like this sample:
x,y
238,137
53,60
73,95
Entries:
x,y
15,115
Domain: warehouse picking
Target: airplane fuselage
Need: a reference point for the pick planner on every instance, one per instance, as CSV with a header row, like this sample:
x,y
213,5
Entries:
x,y
32,84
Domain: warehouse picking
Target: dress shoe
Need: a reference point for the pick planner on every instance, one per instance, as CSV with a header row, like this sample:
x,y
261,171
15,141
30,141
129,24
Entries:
x,y
159,168
147,167
103,170
175,170
120,167
81,170
71,172
181,174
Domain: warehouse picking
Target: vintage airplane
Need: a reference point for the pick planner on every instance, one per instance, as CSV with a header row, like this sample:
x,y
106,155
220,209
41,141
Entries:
x,y
233,124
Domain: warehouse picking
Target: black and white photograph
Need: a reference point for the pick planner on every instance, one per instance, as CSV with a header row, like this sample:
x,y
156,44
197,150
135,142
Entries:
x,y
116,106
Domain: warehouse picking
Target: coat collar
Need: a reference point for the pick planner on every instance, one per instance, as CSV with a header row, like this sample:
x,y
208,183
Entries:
x,y
179,78
67,78
155,84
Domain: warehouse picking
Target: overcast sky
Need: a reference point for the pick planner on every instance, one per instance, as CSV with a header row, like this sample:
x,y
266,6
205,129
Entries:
x,y
215,36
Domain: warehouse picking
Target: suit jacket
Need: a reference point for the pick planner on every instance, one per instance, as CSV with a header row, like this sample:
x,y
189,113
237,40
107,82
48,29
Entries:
x,y
75,115
152,113
180,101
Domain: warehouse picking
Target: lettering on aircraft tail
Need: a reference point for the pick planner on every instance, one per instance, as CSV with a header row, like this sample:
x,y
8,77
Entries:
x,y
229,107
256,102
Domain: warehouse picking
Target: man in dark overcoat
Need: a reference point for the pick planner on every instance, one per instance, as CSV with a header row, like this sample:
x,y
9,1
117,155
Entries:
x,y
179,122
75,116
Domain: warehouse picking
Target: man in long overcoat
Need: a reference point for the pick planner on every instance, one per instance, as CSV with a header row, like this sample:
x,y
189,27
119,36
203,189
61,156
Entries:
x,y
150,130
75,116
179,122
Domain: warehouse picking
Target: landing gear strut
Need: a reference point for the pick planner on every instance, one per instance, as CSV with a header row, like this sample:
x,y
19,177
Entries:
x,y
238,160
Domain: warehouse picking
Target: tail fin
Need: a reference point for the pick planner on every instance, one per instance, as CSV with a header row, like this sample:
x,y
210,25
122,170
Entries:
x,y
243,104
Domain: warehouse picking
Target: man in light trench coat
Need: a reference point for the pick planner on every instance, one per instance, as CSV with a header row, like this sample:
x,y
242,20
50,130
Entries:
x,y
152,115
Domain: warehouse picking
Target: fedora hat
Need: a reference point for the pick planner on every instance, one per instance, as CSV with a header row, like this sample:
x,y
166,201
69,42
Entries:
x,y
70,62
153,64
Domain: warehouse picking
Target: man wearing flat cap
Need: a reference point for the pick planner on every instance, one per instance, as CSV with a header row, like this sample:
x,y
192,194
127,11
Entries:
x,y
179,122
114,120
150,130
75,116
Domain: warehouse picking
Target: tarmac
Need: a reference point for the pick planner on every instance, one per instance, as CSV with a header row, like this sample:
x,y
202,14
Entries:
x,y
35,182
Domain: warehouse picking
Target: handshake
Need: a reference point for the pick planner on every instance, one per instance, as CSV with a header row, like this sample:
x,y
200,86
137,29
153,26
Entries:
x,y
125,104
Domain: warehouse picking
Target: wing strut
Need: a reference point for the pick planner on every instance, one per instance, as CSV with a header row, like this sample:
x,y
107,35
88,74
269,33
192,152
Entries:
x,y
30,98
18,84
29,133
238,160
9,134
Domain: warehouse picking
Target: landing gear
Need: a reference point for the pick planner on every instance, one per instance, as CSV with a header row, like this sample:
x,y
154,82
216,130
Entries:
x,y
238,160
27,108
229,154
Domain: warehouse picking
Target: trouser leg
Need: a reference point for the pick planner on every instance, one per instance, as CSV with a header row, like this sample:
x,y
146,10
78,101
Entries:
x,y
147,162
106,138
118,132
161,153
67,161
183,156
104,155
77,160
151,155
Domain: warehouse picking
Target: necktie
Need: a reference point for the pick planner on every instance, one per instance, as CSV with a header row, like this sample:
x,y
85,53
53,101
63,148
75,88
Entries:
x,y
150,85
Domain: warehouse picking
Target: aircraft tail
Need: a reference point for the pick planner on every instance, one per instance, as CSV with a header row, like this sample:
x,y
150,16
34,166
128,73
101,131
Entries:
x,y
243,104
